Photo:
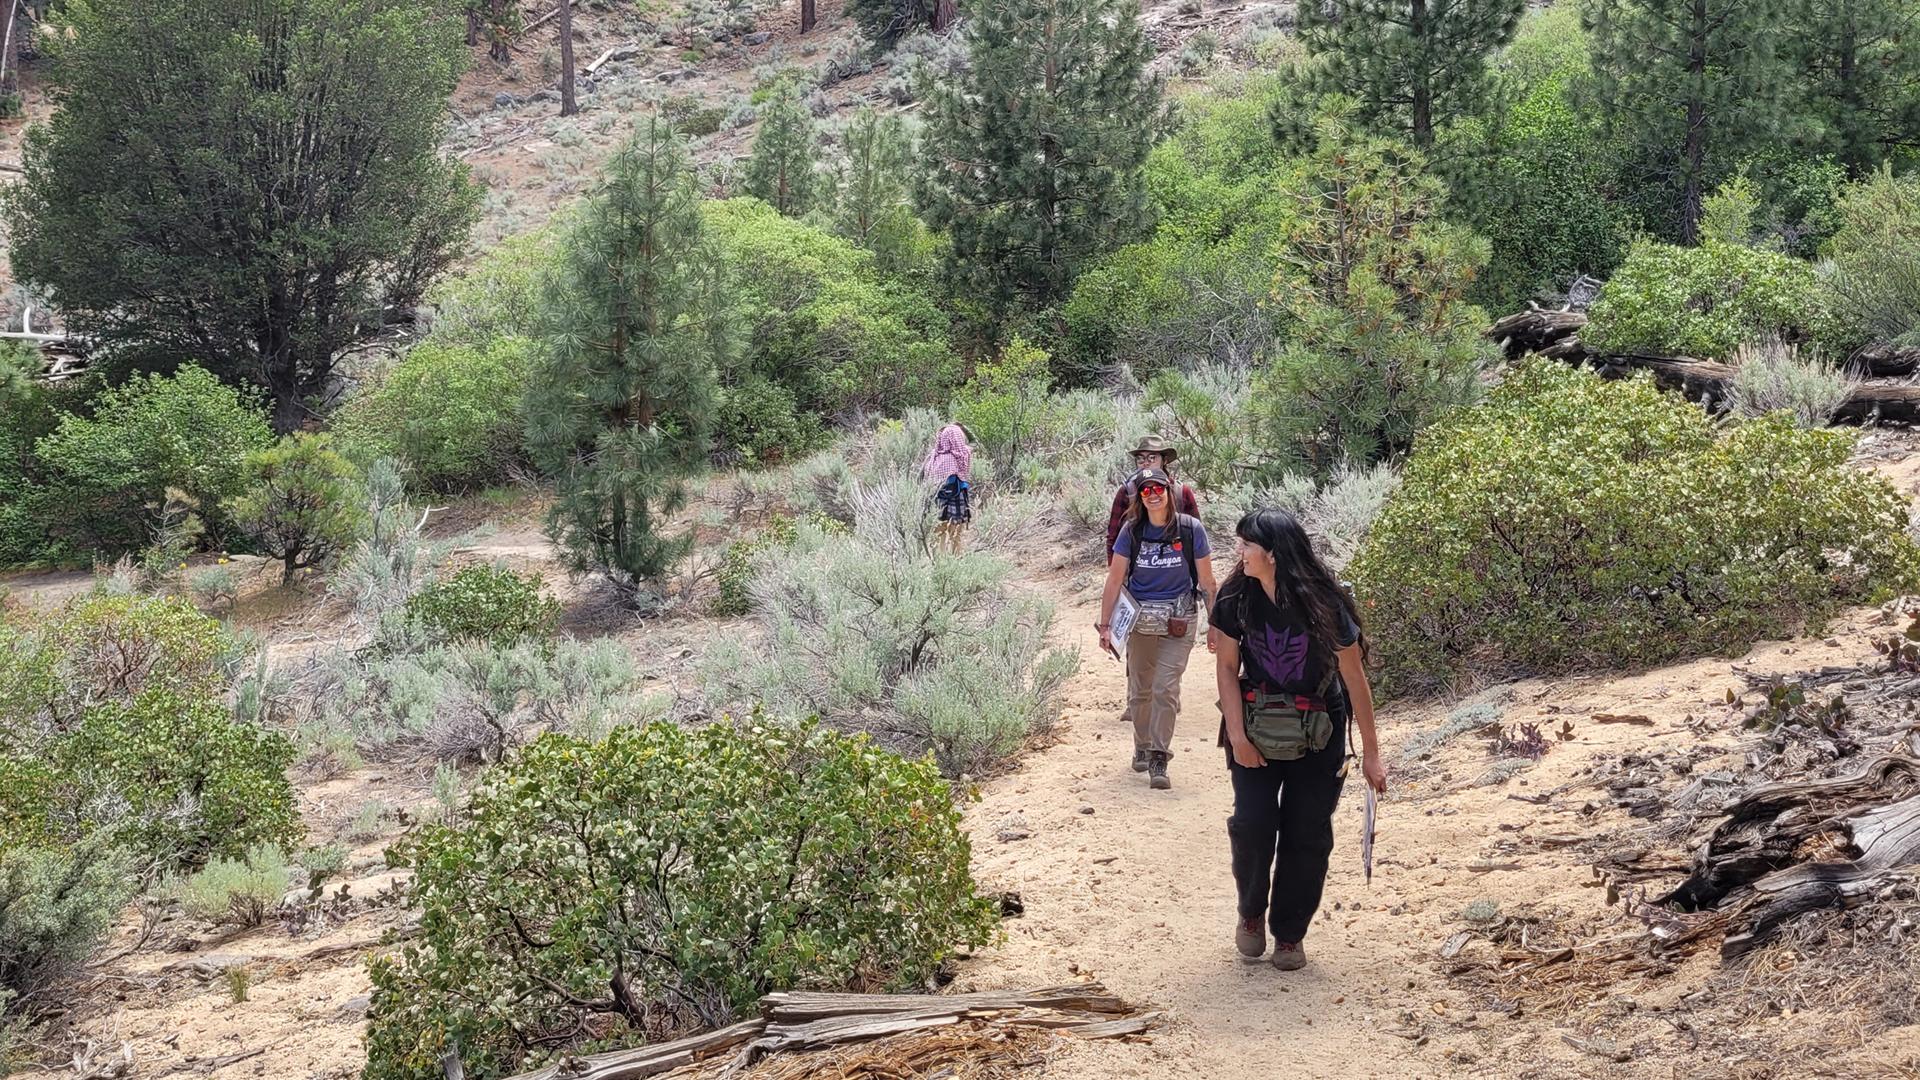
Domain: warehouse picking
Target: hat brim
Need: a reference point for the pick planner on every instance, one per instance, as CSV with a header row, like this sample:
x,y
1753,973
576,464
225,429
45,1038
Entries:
x,y
1166,453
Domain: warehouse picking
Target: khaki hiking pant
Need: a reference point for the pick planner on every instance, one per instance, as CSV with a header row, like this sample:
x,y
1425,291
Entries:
x,y
1154,667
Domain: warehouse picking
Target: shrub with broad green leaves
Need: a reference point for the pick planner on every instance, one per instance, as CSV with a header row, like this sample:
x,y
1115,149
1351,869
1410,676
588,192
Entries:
x,y
179,779
186,431
302,503
1705,301
661,880
829,335
499,296
448,412
1874,286
1571,522
112,720
489,604
103,649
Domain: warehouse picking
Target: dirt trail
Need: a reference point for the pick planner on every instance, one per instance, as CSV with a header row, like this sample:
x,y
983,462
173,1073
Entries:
x,y
1132,886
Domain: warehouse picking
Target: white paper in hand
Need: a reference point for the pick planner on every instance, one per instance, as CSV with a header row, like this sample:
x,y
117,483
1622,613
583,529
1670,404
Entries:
x,y
1366,836
1125,613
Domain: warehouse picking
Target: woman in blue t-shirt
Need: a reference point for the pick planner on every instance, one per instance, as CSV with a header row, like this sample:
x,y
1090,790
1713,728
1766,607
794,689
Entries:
x,y
1284,630
1162,560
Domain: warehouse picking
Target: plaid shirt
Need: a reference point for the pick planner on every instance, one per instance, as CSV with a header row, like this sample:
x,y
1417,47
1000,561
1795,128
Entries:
x,y
1189,506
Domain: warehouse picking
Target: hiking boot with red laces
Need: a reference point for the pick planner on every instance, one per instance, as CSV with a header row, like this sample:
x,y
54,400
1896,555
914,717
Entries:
x,y
1289,955
1250,937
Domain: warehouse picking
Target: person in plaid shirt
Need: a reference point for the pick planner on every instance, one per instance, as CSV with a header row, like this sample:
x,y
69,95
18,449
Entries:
x,y
1152,453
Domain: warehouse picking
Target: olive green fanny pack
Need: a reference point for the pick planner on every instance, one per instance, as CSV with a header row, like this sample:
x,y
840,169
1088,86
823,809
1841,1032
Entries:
x,y
1280,728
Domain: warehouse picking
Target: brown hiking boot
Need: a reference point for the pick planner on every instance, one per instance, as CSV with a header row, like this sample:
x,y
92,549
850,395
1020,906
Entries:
x,y
1157,771
1250,937
1139,759
1289,955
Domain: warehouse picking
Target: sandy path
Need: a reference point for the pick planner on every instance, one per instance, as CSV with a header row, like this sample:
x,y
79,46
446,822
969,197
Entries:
x,y
1138,893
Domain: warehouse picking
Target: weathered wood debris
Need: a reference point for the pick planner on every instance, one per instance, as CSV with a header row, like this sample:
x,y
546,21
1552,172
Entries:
x,y
1797,846
1556,334
800,1023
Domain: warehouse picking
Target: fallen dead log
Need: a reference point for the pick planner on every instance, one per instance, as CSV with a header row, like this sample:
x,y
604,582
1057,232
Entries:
x,y
1556,334
1797,846
796,1023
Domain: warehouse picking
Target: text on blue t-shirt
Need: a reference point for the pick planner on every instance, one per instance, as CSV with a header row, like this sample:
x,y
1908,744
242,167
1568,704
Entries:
x,y
1160,568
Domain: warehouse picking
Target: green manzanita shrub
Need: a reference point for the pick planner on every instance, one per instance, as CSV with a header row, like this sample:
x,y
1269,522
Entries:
x,y
489,604
113,720
1706,301
1572,522
599,894
449,412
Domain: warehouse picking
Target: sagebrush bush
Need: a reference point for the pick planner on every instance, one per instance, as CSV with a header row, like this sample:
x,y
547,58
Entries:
x,y
56,905
1336,513
1573,522
391,559
770,857
450,413
243,890
876,632
1705,301
489,604
466,701
1772,376
184,431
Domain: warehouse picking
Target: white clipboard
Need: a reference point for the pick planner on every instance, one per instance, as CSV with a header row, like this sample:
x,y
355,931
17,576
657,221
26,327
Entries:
x,y
1125,613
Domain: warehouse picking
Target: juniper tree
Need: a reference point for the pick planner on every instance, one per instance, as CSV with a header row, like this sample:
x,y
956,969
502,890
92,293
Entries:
x,y
1690,87
1413,65
250,186
1032,160
1860,60
782,171
619,411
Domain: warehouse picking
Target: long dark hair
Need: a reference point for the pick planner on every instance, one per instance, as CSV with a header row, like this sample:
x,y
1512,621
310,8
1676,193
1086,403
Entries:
x,y
1300,579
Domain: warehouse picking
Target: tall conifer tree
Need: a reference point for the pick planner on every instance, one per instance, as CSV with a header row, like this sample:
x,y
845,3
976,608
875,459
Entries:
x,y
619,413
871,206
1032,160
1861,63
782,171
1692,87
1413,65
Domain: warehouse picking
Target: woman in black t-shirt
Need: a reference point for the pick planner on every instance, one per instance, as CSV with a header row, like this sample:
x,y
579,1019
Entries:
x,y
1283,625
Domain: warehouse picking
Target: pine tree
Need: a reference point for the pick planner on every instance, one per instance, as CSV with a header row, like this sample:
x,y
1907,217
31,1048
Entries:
x,y
871,207
1376,285
1692,87
1413,65
1861,63
783,169
1032,160
620,410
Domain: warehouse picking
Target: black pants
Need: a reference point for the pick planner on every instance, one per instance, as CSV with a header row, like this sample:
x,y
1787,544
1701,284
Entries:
x,y
1281,833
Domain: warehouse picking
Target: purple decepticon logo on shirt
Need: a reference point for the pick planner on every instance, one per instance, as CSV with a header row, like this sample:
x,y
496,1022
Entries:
x,y
1282,653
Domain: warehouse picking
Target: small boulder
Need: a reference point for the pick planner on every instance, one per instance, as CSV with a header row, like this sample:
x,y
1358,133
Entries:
x,y
758,37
